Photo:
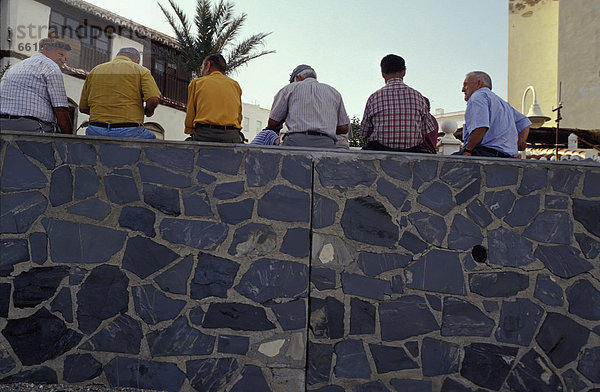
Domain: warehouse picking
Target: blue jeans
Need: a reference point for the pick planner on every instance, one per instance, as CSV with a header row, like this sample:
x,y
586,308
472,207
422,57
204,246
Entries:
x,y
138,132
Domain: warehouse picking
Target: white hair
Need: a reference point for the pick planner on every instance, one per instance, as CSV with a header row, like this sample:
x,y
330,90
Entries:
x,y
483,77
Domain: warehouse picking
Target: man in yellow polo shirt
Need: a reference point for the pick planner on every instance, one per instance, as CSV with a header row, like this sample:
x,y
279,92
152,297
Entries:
x,y
214,108
114,94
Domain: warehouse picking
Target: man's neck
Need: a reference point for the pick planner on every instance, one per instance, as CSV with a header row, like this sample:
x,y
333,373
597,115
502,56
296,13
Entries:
x,y
388,77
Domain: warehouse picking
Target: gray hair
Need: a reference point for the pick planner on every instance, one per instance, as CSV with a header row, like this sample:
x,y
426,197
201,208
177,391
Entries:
x,y
483,77
132,53
308,73
53,43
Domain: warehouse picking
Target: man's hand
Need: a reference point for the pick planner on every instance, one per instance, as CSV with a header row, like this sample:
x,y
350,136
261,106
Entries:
x,y
63,119
522,142
341,130
151,105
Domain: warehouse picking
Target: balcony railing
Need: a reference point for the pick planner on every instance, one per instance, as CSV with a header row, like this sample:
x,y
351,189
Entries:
x,y
171,86
90,57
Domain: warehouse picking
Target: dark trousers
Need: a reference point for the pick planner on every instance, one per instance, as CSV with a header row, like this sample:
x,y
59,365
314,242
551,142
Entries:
x,y
374,145
207,133
481,151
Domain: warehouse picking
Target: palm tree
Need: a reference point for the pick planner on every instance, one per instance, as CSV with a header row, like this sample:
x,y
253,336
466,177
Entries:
x,y
217,28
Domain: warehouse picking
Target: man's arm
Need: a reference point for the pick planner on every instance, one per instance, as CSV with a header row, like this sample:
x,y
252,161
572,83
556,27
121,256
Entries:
x,y
151,105
522,141
275,126
190,113
63,119
341,129
474,140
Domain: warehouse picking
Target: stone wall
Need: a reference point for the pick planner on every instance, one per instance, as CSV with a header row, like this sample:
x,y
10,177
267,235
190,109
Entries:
x,y
188,267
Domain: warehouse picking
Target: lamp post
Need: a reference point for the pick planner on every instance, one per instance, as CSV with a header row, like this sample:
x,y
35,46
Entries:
x,y
535,114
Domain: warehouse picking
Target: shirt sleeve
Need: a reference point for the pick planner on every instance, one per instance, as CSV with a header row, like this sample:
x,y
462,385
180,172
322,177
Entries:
x,y
477,114
279,109
366,125
149,87
85,91
56,89
343,118
521,121
190,113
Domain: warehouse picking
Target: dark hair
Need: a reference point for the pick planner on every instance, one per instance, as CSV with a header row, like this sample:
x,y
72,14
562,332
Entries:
x,y
392,63
217,61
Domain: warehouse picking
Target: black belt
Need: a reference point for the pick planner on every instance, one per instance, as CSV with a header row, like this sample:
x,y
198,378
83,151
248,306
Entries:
x,y
221,127
493,151
115,125
312,133
12,117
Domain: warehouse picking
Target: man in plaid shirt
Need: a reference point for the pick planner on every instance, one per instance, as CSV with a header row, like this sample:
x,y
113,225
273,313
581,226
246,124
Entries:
x,y
396,116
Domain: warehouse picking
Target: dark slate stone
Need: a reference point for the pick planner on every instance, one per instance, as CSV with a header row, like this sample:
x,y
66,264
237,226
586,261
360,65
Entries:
x,y
210,375
237,316
524,210
41,375
533,373
561,338
253,240
461,318
498,284
13,251
490,306
398,170
77,153
460,174
291,315
231,344
196,315
93,208
469,261
103,294
76,276
144,257
179,231
354,284
509,249
591,184
451,385
139,219
587,212
500,203
411,242
261,168
501,175
180,159
423,172
63,304
479,213
431,227
121,188
589,364
39,337
351,360
435,302
464,234
366,220
373,386
213,277
323,278
19,174
153,306
548,291
439,357
174,280
557,202
285,204
61,186
180,339
252,380
136,373
114,155
220,160
564,180
297,170
584,300
533,179
362,317
165,200
439,271
401,385
563,261
296,242
589,247
354,173
318,362
269,279
4,299
81,367
573,381
87,183
406,317
413,348
327,318
390,359
397,285
123,335
553,227
39,247
518,321
393,193
37,285
18,211
373,264
230,213
407,206
437,197
488,365
470,191
161,176
324,211
42,152
205,178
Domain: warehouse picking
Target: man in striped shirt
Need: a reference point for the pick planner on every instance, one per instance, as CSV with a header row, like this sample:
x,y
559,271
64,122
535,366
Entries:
x,y
396,116
313,112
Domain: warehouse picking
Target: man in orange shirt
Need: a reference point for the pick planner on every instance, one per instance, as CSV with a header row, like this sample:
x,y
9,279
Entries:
x,y
214,108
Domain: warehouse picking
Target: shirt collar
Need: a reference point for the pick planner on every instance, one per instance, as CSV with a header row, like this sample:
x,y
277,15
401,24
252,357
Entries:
x,y
395,80
121,57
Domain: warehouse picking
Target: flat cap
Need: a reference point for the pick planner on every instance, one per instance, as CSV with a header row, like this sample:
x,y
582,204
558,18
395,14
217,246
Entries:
x,y
297,70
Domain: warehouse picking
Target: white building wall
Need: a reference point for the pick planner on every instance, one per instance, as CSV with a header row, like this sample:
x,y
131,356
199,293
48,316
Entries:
x,y
254,119
25,22
119,42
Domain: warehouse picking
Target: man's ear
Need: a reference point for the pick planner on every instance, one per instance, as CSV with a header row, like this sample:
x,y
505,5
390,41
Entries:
x,y
403,73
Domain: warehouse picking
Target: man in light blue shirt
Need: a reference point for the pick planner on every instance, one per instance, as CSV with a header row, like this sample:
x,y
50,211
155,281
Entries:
x,y
492,127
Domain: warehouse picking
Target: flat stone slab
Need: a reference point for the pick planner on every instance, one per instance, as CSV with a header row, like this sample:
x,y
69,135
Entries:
x,y
366,220
406,317
439,271
561,338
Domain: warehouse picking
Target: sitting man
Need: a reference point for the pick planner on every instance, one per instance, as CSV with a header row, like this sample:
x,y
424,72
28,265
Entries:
x,y
313,112
492,127
114,94
214,108
32,92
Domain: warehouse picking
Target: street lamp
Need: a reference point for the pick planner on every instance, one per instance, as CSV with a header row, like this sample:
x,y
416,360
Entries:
x,y
535,114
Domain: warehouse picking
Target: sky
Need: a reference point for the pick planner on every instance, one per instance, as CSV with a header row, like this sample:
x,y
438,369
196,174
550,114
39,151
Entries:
x,y
344,41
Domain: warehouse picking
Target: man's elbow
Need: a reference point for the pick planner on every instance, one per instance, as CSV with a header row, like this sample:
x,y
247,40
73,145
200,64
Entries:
x,y
342,129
